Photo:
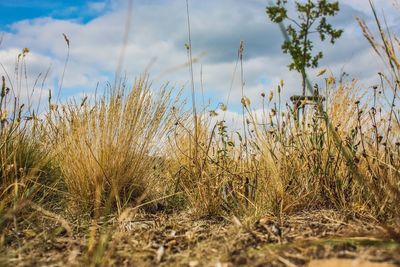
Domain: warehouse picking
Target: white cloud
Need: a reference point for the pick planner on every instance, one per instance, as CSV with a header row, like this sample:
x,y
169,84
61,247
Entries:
x,y
96,6
364,6
159,32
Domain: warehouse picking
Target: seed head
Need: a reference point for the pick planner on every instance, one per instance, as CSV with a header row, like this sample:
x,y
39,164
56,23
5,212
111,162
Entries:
x,y
271,95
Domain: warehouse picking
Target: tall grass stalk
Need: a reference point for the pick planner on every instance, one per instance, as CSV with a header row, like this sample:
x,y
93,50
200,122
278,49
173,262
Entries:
x,y
190,58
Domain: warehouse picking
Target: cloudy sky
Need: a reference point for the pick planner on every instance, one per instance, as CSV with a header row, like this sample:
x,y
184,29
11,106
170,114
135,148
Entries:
x,y
156,42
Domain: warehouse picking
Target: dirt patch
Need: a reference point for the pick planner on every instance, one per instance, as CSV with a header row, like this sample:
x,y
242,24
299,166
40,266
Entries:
x,y
347,263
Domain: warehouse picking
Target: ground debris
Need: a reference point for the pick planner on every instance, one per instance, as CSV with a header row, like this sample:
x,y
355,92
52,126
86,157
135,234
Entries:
x,y
180,240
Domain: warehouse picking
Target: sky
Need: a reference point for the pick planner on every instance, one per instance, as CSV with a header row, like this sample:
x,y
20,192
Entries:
x,y
156,43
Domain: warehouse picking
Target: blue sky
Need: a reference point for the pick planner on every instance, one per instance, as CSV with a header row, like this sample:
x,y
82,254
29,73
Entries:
x,y
16,10
156,41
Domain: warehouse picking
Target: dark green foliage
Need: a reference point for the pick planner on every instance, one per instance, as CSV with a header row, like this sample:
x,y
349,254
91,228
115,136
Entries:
x,y
311,19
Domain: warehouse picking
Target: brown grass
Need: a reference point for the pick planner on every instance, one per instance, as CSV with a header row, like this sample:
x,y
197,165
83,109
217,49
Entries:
x,y
134,147
109,151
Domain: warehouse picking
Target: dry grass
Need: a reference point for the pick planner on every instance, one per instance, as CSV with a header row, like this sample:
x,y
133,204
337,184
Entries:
x,y
212,184
110,154
26,170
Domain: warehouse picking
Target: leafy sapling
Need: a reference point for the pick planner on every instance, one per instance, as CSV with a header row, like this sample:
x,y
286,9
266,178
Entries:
x,y
311,19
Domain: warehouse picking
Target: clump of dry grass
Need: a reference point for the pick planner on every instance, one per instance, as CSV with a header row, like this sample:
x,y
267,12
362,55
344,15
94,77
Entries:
x,y
203,171
26,171
212,167
300,162
109,152
381,144
305,165
343,154
286,166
